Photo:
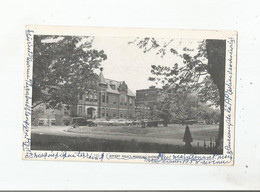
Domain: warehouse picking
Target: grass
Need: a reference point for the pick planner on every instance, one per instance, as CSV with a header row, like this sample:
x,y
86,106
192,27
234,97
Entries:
x,y
71,143
173,131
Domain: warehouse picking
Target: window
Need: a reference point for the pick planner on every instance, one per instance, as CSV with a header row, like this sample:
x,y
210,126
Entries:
x,y
66,112
130,101
90,97
114,102
103,112
125,100
66,109
121,115
80,96
103,97
41,122
121,100
95,97
107,98
53,122
114,115
112,86
80,109
87,97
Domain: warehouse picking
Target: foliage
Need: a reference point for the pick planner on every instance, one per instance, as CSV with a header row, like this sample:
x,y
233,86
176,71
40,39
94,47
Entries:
x,y
63,67
208,91
184,105
194,73
201,73
37,112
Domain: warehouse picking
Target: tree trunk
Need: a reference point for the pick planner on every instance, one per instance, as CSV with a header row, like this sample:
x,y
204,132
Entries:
x,y
216,52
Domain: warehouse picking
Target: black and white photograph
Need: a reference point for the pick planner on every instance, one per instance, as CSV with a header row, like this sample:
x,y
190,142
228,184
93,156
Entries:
x,y
128,94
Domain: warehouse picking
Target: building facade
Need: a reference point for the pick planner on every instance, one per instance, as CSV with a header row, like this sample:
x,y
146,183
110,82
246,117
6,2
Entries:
x,y
105,98
147,97
146,102
46,116
111,99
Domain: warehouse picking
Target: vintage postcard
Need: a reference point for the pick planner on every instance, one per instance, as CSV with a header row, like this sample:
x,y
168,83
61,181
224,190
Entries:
x,y
129,95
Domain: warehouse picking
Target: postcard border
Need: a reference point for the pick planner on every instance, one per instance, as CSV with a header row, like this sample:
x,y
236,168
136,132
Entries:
x,y
229,115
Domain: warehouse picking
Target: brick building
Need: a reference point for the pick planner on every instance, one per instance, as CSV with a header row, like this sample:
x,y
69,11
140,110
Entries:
x,y
105,98
147,97
45,116
146,101
111,99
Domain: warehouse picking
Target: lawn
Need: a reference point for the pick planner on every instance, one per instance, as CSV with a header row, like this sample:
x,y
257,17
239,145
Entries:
x,y
173,131
127,139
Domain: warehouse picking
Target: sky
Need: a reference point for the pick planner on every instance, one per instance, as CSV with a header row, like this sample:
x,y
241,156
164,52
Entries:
x,y
126,62
129,63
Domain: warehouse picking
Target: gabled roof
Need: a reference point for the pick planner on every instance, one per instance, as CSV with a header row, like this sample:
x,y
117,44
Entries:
x,y
110,89
130,93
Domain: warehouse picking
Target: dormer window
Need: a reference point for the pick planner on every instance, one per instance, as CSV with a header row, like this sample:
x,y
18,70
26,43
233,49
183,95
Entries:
x,y
112,86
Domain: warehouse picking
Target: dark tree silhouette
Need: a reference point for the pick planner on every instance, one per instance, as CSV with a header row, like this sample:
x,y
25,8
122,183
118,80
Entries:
x,y
63,67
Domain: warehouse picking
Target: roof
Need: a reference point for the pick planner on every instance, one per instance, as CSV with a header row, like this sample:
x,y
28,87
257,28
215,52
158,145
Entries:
x,y
101,78
130,93
150,89
111,82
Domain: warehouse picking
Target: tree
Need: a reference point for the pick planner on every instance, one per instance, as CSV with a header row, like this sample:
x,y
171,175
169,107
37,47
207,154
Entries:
x,y
63,68
202,73
184,105
208,114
